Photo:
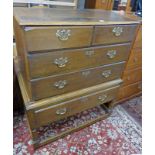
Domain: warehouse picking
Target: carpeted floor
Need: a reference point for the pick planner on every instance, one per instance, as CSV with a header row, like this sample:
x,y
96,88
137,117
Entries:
x,y
134,108
119,134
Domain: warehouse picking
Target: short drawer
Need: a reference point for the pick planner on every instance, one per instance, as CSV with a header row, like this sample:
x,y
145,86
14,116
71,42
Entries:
x,y
46,38
130,90
135,60
45,115
55,85
56,62
132,76
114,34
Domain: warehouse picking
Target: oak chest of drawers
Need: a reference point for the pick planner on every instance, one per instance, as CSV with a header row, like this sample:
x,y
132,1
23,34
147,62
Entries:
x,y
69,61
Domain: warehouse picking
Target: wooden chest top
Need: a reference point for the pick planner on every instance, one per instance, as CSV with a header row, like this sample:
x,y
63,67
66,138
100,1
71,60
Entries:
x,y
48,16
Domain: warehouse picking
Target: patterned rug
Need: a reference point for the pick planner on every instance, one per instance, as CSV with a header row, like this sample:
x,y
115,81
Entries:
x,y
119,134
134,109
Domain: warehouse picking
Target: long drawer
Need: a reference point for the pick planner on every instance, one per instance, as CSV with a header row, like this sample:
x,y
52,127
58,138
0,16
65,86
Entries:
x,y
59,84
132,76
48,114
46,38
50,63
114,34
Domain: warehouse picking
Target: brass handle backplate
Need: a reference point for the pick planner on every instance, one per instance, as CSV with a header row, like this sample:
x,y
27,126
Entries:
x,y
117,31
102,98
63,34
89,53
85,73
61,111
111,54
61,62
106,73
60,84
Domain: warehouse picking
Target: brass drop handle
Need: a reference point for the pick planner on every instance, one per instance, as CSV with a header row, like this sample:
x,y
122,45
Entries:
x,y
61,111
106,73
60,84
61,62
102,98
117,31
63,34
111,54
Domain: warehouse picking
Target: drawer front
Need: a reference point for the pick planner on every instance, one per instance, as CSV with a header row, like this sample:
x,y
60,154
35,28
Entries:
x,y
132,76
46,38
55,85
135,60
130,90
45,64
53,113
114,34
